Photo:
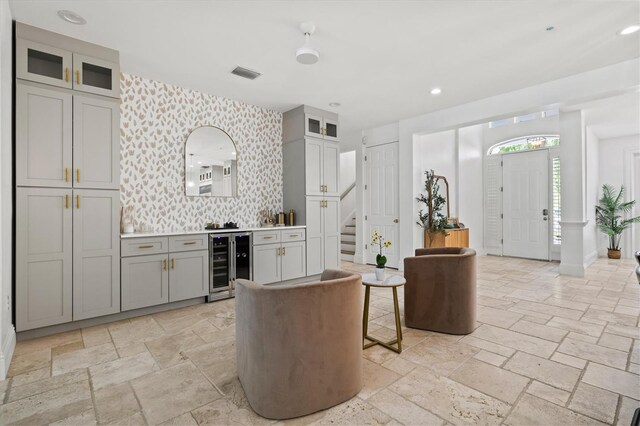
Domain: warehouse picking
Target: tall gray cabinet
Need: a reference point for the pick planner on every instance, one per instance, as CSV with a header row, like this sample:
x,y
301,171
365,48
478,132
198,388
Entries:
x,y
67,158
311,182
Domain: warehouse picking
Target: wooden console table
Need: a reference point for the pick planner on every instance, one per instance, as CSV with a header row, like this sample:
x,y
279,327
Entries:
x,y
454,238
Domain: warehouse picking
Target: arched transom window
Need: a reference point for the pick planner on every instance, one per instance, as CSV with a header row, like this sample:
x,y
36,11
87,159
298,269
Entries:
x,y
525,143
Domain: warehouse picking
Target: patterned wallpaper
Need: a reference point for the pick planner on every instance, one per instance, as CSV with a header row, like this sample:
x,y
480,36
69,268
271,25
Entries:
x,y
154,123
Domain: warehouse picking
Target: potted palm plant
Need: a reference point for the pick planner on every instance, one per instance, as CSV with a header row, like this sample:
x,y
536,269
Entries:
x,y
610,213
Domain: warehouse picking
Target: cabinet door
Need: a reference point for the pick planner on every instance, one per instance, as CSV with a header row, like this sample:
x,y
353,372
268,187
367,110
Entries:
x,y
331,129
315,236
145,281
331,229
96,143
313,166
43,137
293,260
43,64
96,76
96,253
188,275
313,126
267,264
43,257
331,168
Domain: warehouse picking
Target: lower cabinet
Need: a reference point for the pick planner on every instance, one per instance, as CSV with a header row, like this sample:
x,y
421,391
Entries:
x,y
163,276
67,255
323,234
145,281
279,261
188,275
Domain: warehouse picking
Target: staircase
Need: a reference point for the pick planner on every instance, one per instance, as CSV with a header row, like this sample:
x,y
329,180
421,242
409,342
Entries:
x,y
348,240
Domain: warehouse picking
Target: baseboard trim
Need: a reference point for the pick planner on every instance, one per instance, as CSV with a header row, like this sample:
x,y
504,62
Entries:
x,y
6,355
571,270
590,258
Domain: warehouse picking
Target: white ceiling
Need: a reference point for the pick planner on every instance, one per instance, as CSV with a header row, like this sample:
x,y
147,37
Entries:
x,y
378,58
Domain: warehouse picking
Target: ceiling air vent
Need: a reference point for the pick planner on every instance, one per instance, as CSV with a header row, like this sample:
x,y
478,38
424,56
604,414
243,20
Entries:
x,y
246,73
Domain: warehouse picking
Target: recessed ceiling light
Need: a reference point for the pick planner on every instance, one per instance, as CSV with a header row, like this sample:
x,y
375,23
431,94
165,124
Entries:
x,y
436,91
629,30
71,17
199,162
334,104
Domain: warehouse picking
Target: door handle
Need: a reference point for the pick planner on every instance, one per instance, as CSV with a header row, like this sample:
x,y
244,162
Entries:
x,y
545,212
66,74
78,174
395,220
77,201
173,264
66,201
66,174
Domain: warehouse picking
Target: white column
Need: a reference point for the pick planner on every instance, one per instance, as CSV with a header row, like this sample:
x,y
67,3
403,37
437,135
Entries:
x,y
572,174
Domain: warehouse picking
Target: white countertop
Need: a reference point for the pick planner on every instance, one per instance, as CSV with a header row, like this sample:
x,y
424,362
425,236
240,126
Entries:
x,y
206,231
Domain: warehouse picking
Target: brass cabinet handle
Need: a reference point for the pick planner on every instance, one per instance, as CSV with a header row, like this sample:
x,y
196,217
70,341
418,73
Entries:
x,y
267,237
66,201
66,174
77,201
173,264
284,251
78,174
164,265
189,243
146,246
78,76
66,74
278,251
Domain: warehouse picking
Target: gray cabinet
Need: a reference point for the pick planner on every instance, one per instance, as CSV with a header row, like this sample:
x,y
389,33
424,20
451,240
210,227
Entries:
x,y
145,281
279,255
43,257
188,275
323,234
43,64
94,75
43,137
96,253
96,143
266,263
157,270
293,259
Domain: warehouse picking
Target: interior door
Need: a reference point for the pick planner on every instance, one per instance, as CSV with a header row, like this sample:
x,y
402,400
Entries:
x,y
525,204
382,200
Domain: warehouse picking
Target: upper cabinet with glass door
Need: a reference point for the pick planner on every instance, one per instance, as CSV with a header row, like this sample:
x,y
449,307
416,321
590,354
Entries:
x,y
305,121
50,58
43,64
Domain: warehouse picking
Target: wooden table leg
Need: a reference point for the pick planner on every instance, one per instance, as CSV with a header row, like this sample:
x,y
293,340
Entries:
x,y
365,314
398,324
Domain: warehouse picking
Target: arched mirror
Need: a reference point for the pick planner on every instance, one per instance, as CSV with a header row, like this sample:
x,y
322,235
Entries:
x,y
210,163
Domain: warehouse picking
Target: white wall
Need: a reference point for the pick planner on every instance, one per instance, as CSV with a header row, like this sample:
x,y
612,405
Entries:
x,y
470,184
619,164
437,152
7,331
347,178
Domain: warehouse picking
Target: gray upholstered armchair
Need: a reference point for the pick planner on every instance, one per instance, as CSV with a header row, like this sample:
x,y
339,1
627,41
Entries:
x,y
299,347
440,294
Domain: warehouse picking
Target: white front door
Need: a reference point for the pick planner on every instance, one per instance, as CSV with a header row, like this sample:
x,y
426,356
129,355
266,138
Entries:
x,y
526,204
382,200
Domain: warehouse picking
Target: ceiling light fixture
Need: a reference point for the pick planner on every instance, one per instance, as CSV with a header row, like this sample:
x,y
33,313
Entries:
x,y
71,17
630,29
334,104
436,91
306,54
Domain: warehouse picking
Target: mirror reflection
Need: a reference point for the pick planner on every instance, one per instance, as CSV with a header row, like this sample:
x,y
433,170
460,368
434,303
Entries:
x,y
210,163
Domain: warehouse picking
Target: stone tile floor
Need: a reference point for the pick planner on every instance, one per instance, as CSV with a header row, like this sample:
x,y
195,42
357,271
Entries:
x,y
548,349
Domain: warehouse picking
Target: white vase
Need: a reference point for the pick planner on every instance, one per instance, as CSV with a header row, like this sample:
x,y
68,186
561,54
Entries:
x,y
379,274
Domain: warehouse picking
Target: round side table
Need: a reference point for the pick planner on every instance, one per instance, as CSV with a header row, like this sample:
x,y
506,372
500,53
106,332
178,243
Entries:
x,y
393,282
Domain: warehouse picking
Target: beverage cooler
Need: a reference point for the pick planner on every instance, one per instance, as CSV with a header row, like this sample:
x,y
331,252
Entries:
x,y
229,260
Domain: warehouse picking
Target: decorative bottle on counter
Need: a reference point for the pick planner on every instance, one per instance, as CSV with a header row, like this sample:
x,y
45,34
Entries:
x,y
292,218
